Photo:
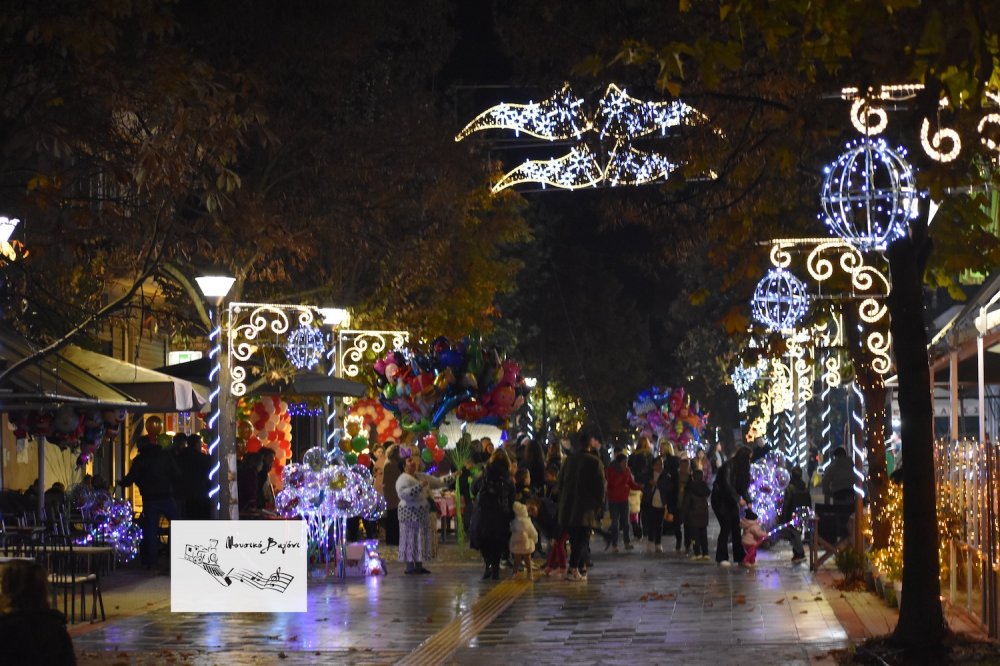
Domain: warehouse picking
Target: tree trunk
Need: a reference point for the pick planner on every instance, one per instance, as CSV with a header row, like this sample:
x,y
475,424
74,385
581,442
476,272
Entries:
x,y
873,390
921,621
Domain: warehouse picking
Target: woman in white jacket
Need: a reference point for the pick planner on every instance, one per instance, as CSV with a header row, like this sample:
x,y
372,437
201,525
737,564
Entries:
x,y
523,538
414,526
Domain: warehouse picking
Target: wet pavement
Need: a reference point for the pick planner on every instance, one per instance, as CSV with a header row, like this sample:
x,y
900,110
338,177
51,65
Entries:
x,y
635,608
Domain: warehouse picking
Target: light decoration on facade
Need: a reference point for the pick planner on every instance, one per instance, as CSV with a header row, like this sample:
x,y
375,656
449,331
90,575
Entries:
x,y
780,300
305,347
563,116
869,194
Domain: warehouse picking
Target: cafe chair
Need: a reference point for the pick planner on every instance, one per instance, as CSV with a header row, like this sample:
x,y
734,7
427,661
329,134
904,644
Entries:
x,y
70,574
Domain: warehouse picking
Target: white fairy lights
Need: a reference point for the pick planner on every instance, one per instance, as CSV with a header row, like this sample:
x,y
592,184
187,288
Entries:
x,y
305,347
869,194
563,116
932,144
780,300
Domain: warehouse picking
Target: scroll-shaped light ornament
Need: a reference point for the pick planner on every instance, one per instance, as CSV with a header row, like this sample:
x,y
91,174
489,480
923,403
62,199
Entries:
x,y
869,194
867,119
932,144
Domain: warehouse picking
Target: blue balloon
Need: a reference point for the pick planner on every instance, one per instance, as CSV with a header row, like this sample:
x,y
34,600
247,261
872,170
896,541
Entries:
x,y
449,403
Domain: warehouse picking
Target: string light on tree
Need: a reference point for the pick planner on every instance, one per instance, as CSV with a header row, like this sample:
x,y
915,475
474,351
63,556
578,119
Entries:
x,y
869,194
780,300
305,347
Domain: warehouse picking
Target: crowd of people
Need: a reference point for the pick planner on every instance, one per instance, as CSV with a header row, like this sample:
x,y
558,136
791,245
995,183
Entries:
x,y
521,501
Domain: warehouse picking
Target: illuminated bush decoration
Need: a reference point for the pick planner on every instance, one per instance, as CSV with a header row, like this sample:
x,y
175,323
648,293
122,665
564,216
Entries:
x,y
869,194
780,300
110,520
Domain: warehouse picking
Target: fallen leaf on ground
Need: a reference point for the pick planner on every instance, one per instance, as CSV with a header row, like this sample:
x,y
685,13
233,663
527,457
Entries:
x,y
780,601
739,599
803,612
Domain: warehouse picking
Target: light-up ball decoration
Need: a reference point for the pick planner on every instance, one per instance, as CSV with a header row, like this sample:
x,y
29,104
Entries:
x,y
305,347
780,300
869,194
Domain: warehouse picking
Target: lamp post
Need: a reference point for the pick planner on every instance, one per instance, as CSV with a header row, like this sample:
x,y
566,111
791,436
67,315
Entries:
x,y
222,446
335,318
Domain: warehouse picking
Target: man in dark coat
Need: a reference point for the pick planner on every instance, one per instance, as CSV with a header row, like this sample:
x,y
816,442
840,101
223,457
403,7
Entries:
x,y
194,485
581,497
156,473
729,494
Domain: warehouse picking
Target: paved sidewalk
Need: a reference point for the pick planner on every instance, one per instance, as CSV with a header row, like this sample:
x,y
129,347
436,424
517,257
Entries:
x,y
635,608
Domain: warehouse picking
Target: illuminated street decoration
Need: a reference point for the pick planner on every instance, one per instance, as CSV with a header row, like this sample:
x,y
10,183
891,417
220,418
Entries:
x,y
356,348
780,300
559,117
305,347
869,194
563,117
624,117
932,144
573,171
254,325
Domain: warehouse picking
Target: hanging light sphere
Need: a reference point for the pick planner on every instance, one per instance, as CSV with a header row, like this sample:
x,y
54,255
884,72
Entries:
x,y
744,377
869,195
780,300
305,347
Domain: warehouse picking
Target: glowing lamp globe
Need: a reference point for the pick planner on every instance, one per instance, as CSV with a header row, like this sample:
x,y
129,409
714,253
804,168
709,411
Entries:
x,y
780,300
305,347
869,195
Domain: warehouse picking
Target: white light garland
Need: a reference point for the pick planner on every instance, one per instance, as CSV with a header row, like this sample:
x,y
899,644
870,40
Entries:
x,y
624,117
559,117
577,170
862,114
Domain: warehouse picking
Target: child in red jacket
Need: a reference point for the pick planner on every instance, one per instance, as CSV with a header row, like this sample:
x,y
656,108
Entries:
x,y
620,483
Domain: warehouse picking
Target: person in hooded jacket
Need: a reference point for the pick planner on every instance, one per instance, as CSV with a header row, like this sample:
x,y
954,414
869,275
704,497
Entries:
x,y
694,513
796,496
654,502
156,473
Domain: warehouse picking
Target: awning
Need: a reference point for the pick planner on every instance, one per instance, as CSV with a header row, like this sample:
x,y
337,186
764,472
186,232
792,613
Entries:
x,y
161,392
52,380
303,383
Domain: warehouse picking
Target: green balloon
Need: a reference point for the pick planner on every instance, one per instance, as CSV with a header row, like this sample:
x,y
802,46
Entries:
x,y
427,456
442,440
359,443
351,458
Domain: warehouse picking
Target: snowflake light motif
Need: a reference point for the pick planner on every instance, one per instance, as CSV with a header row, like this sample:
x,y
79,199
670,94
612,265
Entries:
x,y
780,300
744,377
562,117
305,347
869,194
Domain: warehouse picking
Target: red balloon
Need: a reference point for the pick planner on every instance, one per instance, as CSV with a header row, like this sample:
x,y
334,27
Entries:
x,y
253,444
438,455
364,459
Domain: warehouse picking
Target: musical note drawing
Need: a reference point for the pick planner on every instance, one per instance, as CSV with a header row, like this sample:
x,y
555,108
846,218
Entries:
x,y
277,581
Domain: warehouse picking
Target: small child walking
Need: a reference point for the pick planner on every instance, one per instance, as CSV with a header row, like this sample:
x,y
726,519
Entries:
x,y
753,536
523,537
543,513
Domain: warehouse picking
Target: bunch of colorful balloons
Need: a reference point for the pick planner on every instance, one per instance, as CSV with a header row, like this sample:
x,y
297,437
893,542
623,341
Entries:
x,y
430,448
355,445
475,382
272,425
372,413
322,489
111,521
667,414
68,428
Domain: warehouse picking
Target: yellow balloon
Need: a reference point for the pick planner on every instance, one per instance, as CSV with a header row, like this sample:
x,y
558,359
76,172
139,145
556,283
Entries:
x,y
353,428
244,429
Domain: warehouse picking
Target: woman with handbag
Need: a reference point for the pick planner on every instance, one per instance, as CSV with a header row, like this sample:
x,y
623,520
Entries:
x,y
654,510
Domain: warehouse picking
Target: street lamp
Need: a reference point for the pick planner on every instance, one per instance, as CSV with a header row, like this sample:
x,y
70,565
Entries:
x,y
335,318
7,226
215,288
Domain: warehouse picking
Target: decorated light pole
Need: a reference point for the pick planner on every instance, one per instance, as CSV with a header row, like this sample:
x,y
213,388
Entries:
x,y
223,437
